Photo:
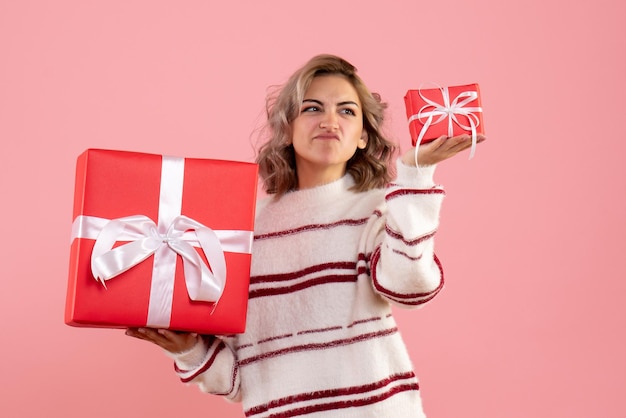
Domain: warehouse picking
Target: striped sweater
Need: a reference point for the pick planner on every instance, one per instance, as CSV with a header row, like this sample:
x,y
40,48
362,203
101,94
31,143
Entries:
x,y
327,266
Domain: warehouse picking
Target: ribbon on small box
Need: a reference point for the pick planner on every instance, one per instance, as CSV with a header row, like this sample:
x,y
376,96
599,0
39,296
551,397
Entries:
x,y
173,235
449,110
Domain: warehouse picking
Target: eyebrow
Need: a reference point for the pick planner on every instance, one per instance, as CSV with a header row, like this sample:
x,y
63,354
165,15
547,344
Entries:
x,y
348,102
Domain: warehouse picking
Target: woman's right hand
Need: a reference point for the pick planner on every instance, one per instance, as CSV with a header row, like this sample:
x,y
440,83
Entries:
x,y
440,149
172,341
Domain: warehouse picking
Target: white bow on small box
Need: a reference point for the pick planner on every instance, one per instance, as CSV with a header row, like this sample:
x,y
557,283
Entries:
x,y
428,110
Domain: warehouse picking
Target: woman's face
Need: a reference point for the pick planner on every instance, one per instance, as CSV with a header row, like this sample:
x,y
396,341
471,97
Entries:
x,y
328,130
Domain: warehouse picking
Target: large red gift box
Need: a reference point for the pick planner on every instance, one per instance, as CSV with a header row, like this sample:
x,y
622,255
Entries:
x,y
161,241
449,111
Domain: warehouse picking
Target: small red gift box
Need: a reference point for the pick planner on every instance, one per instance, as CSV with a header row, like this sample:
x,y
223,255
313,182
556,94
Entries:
x,y
161,241
449,111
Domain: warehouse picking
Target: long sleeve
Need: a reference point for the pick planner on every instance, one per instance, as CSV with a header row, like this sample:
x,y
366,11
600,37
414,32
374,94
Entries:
x,y
320,338
403,265
212,365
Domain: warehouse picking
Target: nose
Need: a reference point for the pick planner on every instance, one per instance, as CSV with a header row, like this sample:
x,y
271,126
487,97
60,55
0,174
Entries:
x,y
329,121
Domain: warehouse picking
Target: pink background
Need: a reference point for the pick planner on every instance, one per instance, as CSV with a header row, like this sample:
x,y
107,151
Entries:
x,y
531,323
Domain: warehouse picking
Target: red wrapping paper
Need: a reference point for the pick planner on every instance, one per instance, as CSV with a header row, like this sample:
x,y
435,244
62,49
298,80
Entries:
x,y
115,184
417,109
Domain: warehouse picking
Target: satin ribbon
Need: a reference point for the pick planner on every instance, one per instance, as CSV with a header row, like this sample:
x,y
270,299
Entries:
x,y
174,235
448,110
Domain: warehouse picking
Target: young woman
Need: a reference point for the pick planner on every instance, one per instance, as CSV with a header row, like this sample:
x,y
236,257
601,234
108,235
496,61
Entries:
x,y
336,245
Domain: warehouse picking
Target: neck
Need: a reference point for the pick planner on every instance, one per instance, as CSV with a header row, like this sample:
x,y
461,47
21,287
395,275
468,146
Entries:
x,y
309,177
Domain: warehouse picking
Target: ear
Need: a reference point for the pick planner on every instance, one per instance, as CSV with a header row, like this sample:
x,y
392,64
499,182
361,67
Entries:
x,y
363,140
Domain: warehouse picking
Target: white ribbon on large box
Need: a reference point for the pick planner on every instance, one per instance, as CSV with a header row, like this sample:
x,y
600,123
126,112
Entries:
x,y
173,235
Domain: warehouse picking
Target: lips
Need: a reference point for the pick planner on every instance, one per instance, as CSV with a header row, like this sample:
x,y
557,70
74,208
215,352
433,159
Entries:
x,y
327,137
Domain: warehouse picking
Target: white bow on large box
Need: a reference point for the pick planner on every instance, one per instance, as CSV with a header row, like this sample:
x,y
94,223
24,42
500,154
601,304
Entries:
x,y
173,235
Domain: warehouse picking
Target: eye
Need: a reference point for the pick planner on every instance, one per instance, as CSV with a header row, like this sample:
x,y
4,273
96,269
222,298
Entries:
x,y
348,111
310,109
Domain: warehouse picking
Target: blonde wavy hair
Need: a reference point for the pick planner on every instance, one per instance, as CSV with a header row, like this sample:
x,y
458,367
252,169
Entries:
x,y
370,167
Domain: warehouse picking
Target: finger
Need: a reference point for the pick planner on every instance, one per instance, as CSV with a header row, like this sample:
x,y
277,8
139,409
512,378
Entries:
x,y
177,339
467,144
453,145
434,144
134,332
138,335
465,137
148,334
167,334
439,142
459,139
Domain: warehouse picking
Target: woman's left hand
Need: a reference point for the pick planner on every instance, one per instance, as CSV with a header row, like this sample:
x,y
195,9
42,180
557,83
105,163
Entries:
x,y
440,149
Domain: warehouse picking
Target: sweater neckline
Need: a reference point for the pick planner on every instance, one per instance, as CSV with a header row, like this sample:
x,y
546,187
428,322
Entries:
x,y
318,194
